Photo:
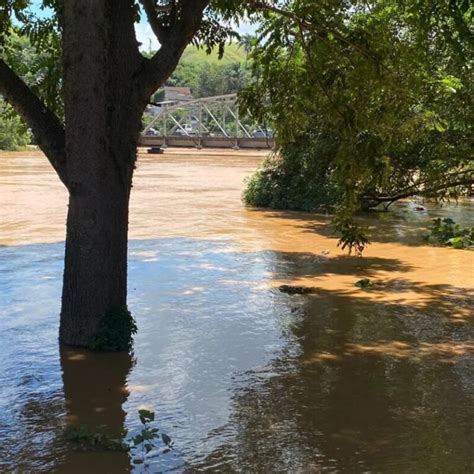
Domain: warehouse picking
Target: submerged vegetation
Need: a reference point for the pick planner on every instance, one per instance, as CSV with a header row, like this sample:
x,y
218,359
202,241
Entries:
x,y
85,438
297,178
145,442
447,232
140,446
371,102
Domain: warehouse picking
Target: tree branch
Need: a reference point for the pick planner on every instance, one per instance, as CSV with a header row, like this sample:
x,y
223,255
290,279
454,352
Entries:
x,y
152,10
45,125
157,69
412,191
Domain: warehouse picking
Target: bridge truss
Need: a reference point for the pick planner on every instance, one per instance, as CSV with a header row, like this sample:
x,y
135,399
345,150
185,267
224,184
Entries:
x,y
212,122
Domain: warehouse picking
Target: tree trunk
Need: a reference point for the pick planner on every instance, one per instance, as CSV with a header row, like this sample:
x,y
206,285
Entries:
x,y
103,116
95,275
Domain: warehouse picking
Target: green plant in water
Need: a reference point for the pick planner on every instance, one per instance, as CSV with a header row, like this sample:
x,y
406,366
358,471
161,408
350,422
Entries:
x,y
353,237
97,439
447,232
116,330
147,436
86,438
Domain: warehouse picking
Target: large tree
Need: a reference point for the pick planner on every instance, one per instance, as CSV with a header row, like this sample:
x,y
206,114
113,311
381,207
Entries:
x,y
371,101
86,118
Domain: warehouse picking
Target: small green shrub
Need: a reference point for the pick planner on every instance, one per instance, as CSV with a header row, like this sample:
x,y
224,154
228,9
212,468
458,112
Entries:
x,y
364,283
447,232
116,330
353,237
147,436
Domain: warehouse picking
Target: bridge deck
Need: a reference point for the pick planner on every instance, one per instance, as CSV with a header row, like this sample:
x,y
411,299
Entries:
x,y
206,142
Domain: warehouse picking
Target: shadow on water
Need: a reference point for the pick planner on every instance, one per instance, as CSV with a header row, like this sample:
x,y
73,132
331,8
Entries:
x,y
298,265
242,376
365,390
94,393
401,225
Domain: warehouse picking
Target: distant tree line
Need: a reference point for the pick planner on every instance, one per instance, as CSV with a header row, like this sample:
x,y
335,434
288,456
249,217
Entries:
x,y
206,80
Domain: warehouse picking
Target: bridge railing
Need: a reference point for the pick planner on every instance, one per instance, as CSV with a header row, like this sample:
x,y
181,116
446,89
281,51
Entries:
x,y
203,122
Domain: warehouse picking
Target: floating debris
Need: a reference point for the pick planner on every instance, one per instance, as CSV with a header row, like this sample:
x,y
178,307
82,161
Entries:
x,y
297,290
364,283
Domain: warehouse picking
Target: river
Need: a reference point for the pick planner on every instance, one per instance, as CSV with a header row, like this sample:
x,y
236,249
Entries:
x,y
242,377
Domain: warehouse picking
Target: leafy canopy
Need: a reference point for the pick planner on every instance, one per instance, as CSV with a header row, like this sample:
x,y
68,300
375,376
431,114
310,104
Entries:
x,y
379,93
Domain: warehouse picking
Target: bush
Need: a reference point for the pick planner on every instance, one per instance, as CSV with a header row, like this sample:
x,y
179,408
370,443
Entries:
x,y
298,177
447,232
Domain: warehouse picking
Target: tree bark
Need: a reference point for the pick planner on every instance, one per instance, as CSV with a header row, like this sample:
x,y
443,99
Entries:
x,y
95,275
103,116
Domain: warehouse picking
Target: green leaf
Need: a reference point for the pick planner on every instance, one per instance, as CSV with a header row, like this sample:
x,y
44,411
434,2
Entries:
x,y
166,439
146,416
457,242
148,448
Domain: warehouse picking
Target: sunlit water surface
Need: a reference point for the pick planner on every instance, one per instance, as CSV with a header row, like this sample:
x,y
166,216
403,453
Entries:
x,y
241,376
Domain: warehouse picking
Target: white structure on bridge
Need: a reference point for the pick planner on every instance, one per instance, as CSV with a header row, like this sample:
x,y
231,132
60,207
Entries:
x,y
206,122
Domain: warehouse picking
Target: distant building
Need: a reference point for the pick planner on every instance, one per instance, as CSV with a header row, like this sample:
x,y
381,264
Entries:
x,y
173,94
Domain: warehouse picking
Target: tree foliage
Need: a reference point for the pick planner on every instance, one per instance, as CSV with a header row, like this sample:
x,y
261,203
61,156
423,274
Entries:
x,y
31,36
206,80
13,133
380,92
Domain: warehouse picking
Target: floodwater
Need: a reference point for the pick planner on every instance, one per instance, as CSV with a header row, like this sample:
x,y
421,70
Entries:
x,y
242,377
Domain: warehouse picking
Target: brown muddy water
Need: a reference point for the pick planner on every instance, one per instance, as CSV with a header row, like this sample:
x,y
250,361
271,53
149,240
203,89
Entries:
x,y
242,377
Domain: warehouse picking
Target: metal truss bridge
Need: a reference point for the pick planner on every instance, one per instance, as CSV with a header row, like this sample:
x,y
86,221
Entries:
x,y
211,122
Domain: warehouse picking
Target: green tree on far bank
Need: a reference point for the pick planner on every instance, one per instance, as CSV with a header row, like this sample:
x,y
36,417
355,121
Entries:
x,y
13,133
207,75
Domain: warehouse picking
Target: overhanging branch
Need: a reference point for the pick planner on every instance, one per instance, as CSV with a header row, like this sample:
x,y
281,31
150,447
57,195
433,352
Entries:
x,y
157,69
463,179
152,11
303,24
44,124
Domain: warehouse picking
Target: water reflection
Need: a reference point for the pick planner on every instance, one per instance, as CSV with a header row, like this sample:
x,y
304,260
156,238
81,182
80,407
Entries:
x,y
244,377
94,393
356,390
